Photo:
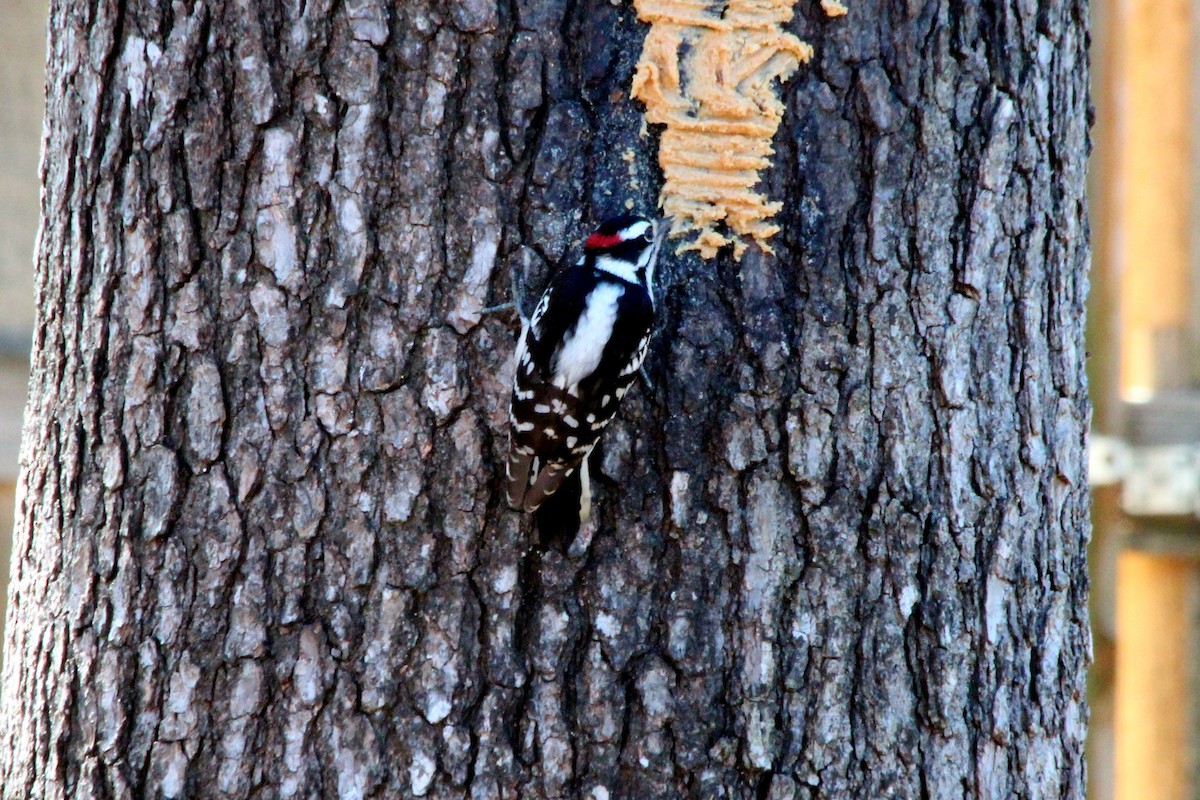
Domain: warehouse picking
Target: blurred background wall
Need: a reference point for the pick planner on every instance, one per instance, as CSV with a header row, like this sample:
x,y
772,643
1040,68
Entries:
x,y
1144,342
22,56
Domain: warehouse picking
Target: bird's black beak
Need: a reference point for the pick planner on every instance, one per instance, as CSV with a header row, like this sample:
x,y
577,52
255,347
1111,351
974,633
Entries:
x,y
661,228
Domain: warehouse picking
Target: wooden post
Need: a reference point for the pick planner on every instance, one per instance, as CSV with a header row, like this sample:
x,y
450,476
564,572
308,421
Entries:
x,y
1157,594
1152,188
1150,201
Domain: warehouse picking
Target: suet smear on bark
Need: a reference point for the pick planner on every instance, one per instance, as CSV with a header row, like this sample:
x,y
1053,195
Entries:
x,y
710,78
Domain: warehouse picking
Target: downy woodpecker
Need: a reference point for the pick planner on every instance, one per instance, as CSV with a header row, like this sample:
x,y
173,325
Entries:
x,y
576,358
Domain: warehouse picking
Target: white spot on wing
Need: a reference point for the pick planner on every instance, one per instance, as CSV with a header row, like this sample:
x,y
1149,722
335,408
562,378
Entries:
x,y
522,355
540,310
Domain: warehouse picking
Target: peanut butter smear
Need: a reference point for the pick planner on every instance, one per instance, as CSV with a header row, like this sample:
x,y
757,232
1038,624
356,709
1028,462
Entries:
x,y
710,77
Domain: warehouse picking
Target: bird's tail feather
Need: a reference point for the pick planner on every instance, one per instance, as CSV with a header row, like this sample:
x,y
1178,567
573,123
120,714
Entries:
x,y
517,470
549,478
557,518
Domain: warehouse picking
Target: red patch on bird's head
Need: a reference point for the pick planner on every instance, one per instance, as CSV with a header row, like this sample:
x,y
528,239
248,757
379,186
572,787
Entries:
x,y
602,241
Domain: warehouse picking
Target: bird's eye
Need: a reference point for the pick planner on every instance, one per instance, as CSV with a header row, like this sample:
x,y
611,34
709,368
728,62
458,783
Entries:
x,y
648,235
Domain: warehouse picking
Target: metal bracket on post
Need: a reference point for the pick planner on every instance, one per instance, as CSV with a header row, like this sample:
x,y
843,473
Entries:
x,y
1156,481
1108,460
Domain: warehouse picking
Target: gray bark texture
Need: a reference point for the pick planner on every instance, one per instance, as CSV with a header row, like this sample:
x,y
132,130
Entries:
x,y
262,550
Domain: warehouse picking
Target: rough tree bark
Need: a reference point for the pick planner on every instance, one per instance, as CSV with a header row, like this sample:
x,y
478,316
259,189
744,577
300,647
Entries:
x,y
262,549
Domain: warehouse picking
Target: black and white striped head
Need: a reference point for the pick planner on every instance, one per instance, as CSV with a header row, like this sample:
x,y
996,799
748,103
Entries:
x,y
627,247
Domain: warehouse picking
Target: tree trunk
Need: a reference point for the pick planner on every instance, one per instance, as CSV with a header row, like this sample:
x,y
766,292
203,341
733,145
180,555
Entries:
x,y
262,549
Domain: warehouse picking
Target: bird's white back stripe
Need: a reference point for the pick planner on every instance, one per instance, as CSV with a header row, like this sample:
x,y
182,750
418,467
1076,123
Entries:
x,y
581,351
